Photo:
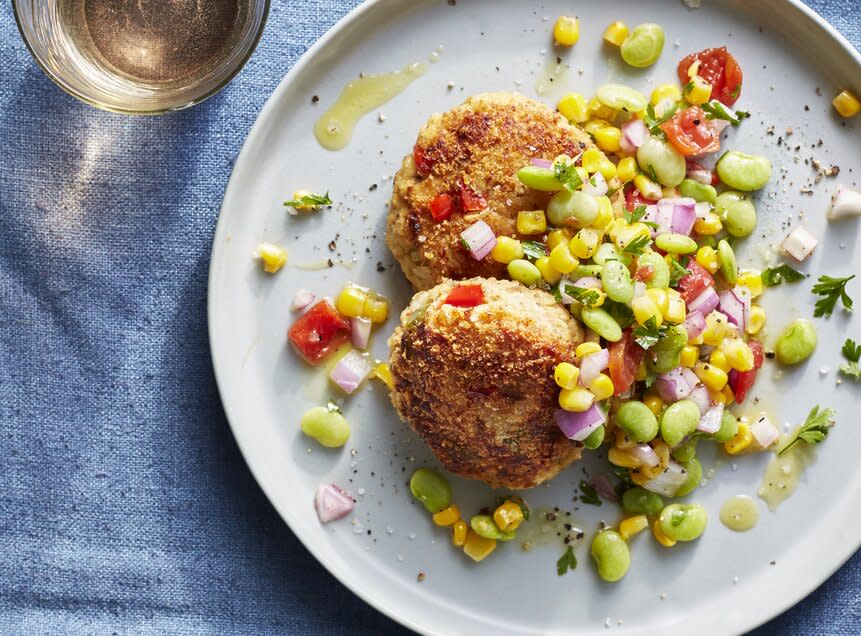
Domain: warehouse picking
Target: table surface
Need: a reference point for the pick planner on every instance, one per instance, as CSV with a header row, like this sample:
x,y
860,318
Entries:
x,y
125,506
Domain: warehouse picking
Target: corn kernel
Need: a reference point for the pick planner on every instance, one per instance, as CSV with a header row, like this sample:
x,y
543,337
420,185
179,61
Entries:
x,y
300,194
756,320
375,309
531,222
665,91
663,539
645,309
627,169
654,402
594,124
549,273
616,33
642,372
586,348
716,328
633,526
617,226
566,375
677,311
697,91
383,373
600,112
847,104
752,280
556,237
584,244
573,108
458,533
648,188
607,169
566,31
591,159
711,376
660,297
271,256
718,397
707,258
605,213
508,516
608,138
576,400
727,394
477,547
709,225
562,259
507,249
447,517
351,301
718,359
738,354
602,387
690,355
628,233
621,458
741,441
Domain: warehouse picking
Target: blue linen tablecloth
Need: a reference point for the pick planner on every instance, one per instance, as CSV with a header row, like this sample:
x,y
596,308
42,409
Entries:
x,y
125,506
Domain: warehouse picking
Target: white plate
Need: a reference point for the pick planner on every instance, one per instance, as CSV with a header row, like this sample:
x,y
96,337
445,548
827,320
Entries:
x,y
723,583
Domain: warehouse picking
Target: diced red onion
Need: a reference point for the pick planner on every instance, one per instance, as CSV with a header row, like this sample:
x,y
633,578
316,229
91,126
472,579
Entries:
x,y
592,365
599,189
664,106
332,503
695,324
639,288
578,426
604,487
651,216
699,173
634,134
480,239
845,204
360,332
646,455
711,420
564,298
800,243
705,303
680,215
702,208
302,299
669,481
589,282
700,396
764,432
350,371
735,303
541,163
676,385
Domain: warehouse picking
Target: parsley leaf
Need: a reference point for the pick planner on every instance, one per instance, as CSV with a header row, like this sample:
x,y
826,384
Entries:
x,y
653,122
648,334
736,91
620,312
774,276
651,170
309,200
333,408
831,289
852,352
589,495
566,174
814,430
638,213
637,245
533,249
586,295
678,270
715,110
566,562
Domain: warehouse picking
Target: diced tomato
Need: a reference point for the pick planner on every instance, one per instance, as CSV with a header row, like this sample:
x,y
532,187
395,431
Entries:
x,y
756,350
633,198
741,381
694,282
720,69
319,332
471,200
645,274
691,132
441,206
465,296
423,163
625,358
693,166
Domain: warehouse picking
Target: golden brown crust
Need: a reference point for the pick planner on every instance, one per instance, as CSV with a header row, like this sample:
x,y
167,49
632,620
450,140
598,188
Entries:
x,y
477,384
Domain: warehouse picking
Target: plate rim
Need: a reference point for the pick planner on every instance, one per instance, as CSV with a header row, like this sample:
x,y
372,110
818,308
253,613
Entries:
x,y
386,605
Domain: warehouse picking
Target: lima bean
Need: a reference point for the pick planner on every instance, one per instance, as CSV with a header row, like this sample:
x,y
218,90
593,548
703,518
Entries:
x,y
694,470
595,438
639,501
327,425
431,488
737,212
666,354
742,171
643,46
796,343
523,271
727,262
616,280
683,522
660,269
485,526
637,420
601,323
543,179
686,452
728,428
661,158
621,97
679,420
676,243
697,191
612,555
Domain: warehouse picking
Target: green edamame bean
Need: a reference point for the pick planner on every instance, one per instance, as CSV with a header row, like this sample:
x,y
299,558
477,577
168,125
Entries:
x,y
612,555
737,212
660,269
686,452
643,45
639,501
728,428
637,420
582,271
661,158
543,179
601,323
796,343
525,272
485,526
431,488
694,473
741,171
617,282
676,243
609,252
566,204
679,420
683,522
727,262
595,438
697,191
621,97
665,355
326,425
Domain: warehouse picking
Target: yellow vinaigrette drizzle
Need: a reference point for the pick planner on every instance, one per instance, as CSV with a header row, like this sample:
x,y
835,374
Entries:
x,y
739,513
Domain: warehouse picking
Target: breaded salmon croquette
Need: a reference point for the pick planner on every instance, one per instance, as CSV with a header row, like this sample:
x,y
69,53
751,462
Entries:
x,y
476,383
472,153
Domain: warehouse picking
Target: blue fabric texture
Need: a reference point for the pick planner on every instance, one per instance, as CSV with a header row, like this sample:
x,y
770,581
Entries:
x,y
125,506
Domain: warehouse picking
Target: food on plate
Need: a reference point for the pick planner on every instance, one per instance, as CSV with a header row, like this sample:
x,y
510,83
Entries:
x,y
566,30
643,45
846,104
473,369
463,169
326,424
272,257
304,201
796,342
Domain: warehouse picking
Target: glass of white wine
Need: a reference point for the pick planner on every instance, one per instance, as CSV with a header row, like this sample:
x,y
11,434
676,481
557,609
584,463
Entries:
x,y
141,56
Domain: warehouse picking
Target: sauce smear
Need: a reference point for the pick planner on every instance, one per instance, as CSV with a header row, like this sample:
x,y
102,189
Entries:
x,y
739,513
783,473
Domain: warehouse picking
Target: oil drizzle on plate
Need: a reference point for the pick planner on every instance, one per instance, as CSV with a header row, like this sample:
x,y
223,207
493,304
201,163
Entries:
x,y
739,513
784,472
335,128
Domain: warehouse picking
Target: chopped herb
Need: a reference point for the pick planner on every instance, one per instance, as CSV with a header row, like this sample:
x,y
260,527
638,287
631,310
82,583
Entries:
x,y
678,270
814,430
333,408
653,122
566,174
637,245
716,110
533,249
593,181
736,91
689,86
852,352
651,170
648,334
464,243
831,289
620,312
650,379
566,562
586,295
309,201
638,213
774,276
589,496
